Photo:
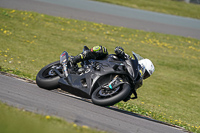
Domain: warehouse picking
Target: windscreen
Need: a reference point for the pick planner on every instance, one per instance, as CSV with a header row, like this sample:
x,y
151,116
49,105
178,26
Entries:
x,y
138,56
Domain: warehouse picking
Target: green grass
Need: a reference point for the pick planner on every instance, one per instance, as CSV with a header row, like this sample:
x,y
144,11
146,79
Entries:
x,y
13,120
173,7
30,41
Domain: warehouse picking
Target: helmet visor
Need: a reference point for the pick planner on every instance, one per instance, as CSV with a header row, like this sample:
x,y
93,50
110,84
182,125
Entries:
x,y
146,75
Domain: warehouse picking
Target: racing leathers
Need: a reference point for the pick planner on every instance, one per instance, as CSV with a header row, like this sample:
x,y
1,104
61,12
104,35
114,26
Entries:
x,y
97,52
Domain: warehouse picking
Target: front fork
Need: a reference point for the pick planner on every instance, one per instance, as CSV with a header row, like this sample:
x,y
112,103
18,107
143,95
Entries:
x,y
113,83
117,80
63,60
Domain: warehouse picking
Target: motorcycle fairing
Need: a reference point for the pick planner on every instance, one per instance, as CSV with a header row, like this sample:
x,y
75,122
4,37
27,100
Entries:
x,y
132,67
83,85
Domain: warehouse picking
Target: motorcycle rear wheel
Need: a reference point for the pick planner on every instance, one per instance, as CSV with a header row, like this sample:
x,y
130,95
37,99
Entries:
x,y
46,78
112,99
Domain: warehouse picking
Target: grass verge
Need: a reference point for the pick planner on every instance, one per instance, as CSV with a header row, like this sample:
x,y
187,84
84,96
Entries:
x,y
20,121
173,7
30,41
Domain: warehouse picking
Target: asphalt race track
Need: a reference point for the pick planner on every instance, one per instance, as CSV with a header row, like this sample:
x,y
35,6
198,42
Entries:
x,y
28,96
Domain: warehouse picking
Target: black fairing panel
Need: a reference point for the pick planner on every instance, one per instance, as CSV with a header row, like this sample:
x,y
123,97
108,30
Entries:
x,y
76,91
132,67
75,84
83,85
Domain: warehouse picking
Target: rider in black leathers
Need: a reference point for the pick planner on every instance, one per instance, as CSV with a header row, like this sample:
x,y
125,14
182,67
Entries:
x,y
98,52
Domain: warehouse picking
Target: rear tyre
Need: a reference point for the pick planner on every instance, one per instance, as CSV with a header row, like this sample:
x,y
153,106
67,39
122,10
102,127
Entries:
x,y
46,78
103,99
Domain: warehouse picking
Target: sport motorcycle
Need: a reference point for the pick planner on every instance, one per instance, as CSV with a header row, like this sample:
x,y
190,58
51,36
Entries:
x,y
106,82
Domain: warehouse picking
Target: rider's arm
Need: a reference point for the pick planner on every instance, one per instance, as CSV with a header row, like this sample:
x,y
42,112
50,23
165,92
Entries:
x,y
96,52
119,51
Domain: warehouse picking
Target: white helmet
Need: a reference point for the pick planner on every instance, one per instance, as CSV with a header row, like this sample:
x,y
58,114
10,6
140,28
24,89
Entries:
x,y
149,67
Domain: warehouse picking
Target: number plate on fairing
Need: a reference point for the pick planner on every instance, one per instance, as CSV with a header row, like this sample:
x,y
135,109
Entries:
x,y
64,57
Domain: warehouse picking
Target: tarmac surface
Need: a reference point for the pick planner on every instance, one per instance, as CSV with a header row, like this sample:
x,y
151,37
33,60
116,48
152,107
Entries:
x,y
30,97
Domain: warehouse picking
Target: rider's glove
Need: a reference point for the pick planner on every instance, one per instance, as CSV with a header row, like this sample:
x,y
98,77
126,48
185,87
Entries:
x,y
119,51
75,59
71,61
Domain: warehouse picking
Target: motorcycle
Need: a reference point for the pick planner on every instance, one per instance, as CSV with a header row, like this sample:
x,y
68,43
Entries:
x,y
106,82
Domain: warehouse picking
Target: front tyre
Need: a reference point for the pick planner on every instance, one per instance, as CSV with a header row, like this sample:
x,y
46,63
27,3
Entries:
x,y
102,98
48,79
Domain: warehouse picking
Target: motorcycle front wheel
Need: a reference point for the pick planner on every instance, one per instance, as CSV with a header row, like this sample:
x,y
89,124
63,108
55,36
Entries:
x,y
107,98
48,79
